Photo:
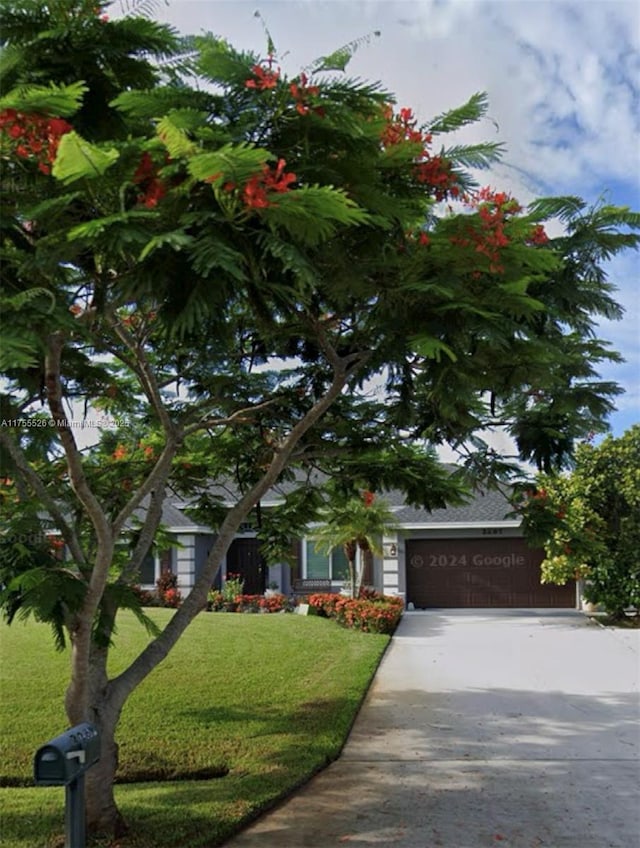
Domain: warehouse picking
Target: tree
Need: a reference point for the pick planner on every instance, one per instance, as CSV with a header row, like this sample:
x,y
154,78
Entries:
x,y
246,281
588,521
354,524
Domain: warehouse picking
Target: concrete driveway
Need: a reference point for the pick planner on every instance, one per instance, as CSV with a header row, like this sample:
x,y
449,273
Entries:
x,y
482,728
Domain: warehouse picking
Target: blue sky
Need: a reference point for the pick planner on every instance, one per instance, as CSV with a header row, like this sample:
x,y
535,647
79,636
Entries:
x,y
563,80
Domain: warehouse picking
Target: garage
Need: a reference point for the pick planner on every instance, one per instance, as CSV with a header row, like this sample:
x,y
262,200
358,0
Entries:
x,y
480,572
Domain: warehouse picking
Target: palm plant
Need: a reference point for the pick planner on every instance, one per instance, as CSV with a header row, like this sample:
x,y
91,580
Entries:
x,y
354,523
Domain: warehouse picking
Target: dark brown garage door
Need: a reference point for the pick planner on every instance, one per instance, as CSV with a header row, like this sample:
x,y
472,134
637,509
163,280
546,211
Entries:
x,y
479,573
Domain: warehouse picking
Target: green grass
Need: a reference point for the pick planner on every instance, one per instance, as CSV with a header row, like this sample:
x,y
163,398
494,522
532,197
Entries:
x,y
271,698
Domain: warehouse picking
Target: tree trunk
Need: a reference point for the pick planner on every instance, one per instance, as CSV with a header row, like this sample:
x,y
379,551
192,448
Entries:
x,y
352,578
91,696
102,708
103,816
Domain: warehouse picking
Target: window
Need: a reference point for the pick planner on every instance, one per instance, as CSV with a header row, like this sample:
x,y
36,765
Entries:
x,y
148,570
320,566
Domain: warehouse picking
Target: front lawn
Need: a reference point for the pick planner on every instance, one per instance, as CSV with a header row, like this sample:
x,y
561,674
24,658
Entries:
x,y
264,700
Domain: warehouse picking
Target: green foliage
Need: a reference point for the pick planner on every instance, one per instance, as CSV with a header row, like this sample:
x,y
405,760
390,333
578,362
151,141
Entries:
x,y
52,99
235,163
340,58
21,349
78,158
454,119
588,522
353,523
49,593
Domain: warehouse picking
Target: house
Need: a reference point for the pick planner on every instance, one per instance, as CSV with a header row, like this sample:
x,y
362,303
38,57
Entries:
x,y
466,556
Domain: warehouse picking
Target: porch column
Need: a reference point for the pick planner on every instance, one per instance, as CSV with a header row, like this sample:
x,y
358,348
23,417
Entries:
x,y
390,568
186,562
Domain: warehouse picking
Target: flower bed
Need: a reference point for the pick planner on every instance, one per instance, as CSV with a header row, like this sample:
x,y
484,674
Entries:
x,y
373,613
217,602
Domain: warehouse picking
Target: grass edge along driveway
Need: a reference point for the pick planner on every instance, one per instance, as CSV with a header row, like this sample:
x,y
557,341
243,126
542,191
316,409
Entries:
x,y
269,699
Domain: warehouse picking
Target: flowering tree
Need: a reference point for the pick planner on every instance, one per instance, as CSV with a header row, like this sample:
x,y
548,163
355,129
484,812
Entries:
x,y
221,273
588,522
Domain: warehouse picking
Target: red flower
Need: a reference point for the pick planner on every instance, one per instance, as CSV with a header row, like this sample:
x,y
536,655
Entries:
x,y
58,127
156,190
120,452
38,135
254,194
146,176
538,235
301,94
266,78
146,169
368,497
279,180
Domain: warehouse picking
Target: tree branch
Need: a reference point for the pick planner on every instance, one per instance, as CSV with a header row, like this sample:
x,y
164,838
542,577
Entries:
x,y
73,455
156,480
22,464
240,416
158,649
145,374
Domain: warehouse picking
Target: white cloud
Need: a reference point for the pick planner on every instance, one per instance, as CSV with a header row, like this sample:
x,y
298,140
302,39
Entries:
x,y
562,78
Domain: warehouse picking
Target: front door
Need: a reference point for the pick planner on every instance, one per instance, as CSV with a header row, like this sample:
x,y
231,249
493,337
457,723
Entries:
x,y
244,558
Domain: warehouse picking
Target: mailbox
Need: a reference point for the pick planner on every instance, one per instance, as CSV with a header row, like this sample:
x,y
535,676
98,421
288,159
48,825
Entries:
x,y
68,756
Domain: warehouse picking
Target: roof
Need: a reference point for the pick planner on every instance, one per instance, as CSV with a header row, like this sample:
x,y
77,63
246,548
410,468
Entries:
x,y
484,508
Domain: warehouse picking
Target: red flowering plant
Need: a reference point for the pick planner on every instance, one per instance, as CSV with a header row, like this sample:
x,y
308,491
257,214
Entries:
x,y
275,603
248,603
31,137
306,96
167,589
264,76
278,302
258,191
152,187
324,603
373,614
435,172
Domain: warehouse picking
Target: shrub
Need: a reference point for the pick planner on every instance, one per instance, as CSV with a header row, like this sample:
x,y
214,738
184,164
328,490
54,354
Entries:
x,y
215,600
167,589
248,603
373,613
274,603
233,587
325,604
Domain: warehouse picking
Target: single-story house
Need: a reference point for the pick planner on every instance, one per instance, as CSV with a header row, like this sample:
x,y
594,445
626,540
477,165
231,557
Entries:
x,y
467,556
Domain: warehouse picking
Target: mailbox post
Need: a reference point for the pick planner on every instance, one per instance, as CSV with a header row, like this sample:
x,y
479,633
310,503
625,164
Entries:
x,y
63,761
